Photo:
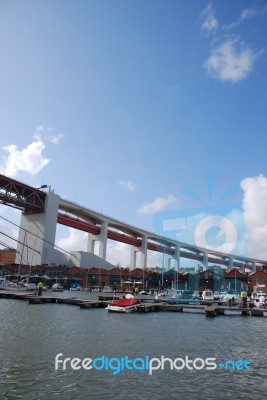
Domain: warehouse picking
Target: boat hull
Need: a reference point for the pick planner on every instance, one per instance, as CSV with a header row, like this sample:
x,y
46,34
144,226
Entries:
x,y
126,304
119,309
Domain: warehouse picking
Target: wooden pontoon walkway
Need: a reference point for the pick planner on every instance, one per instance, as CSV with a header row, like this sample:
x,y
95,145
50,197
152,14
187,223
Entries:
x,y
211,310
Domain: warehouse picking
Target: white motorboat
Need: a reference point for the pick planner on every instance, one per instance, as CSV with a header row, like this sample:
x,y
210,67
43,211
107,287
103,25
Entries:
x,y
231,295
11,286
260,299
57,287
30,286
107,289
207,295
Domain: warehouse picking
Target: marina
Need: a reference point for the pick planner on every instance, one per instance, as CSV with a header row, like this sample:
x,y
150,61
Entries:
x,y
149,304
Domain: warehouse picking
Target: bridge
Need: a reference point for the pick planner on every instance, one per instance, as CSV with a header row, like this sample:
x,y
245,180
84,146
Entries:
x,y
42,211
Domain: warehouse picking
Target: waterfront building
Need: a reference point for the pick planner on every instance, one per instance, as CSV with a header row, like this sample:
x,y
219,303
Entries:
x,y
257,278
235,280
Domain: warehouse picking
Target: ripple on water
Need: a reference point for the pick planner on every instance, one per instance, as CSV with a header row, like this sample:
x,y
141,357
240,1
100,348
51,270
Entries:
x,y
32,335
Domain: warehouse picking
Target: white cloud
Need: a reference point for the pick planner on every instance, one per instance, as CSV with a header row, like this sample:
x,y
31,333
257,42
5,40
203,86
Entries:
x,y
48,134
230,63
75,241
245,15
129,185
158,204
232,60
255,215
29,159
118,253
210,22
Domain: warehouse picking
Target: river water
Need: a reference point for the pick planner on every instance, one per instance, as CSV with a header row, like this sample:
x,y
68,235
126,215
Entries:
x,y
32,335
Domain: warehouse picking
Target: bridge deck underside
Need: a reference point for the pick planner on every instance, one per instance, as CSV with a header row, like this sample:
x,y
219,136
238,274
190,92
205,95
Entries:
x,y
89,227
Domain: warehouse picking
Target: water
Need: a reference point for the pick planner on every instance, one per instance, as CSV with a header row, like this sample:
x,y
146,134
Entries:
x,y
32,335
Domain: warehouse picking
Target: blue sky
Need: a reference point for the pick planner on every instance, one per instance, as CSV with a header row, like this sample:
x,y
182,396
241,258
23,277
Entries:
x,y
120,105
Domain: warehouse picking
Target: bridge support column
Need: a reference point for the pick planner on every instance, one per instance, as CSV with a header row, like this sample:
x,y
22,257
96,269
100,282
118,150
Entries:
x,y
37,234
205,260
134,251
230,262
101,238
253,266
91,243
143,250
177,257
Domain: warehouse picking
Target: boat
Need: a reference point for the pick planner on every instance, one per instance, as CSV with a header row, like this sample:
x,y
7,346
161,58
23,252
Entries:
x,y
183,296
208,295
174,295
107,289
75,287
143,292
231,295
260,299
216,295
5,284
57,287
30,285
126,304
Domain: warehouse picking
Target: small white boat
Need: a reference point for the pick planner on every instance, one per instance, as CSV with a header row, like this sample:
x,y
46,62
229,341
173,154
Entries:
x,y
143,292
11,286
126,304
231,295
57,287
207,295
24,283
107,289
33,286
260,299
30,286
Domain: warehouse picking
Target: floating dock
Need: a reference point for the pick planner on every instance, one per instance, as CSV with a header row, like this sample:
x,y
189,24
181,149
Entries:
x,y
148,305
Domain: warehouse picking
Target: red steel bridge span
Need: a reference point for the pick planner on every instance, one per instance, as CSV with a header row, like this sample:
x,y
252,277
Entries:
x,y
39,209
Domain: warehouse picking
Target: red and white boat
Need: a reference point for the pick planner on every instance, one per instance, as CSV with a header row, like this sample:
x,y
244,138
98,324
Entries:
x,y
124,305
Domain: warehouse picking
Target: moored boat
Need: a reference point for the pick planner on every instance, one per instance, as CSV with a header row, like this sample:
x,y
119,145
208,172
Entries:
x,y
208,295
11,286
231,295
260,299
126,304
107,289
57,287
75,287
183,296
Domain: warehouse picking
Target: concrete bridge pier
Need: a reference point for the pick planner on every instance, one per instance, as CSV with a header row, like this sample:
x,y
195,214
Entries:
x,y
37,234
143,250
101,238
